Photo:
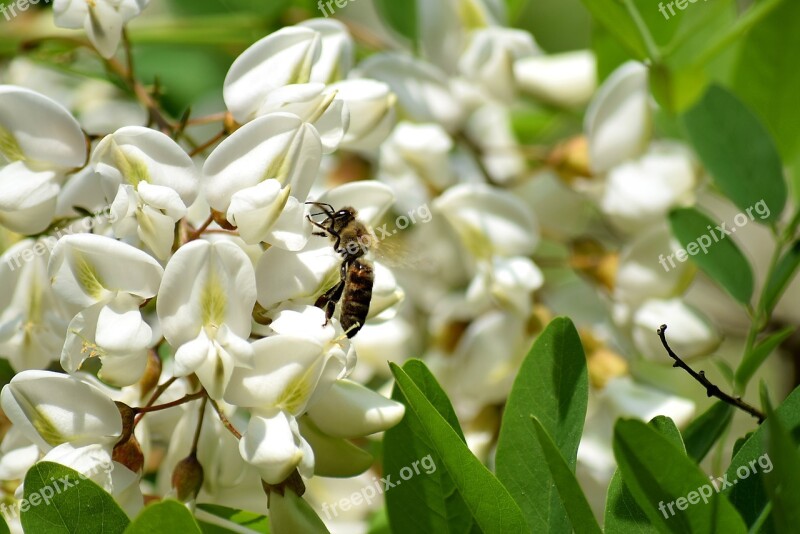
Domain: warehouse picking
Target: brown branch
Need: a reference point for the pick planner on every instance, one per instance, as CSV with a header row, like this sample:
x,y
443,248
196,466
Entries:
x,y
154,397
183,400
225,421
208,144
711,389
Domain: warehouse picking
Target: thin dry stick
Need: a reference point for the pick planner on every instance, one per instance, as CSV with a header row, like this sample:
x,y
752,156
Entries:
x,y
225,421
711,389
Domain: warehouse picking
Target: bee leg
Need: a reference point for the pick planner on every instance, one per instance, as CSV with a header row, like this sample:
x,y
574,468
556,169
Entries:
x,y
327,301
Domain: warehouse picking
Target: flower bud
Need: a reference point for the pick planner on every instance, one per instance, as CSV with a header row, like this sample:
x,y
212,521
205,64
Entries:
x,y
187,478
129,454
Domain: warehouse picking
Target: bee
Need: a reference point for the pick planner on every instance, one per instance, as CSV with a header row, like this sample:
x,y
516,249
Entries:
x,y
351,239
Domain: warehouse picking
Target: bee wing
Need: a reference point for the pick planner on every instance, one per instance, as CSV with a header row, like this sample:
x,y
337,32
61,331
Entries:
x,y
396,252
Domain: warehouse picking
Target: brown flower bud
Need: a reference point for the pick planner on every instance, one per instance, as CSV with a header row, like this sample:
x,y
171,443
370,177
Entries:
x,y
129,454
187,478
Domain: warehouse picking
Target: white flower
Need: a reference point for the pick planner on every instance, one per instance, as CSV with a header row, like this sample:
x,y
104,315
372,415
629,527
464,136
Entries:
x,y
568,79
349,410
151,180
102,19
260,177
74,424
618,120
85,271
33,320
641,276
282,58
490,56
287,371
39,142
337,52
419,150
472,379
640,193
489,220
372,112
314,104
205,304
52,408
422,90
445,24
689,334
489,128
622,397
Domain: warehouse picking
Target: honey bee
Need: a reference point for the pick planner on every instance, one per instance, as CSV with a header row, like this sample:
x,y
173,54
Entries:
x,y
351,239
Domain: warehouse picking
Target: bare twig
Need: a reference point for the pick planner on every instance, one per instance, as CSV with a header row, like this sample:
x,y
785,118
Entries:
x,y
711,389
225,421
183,400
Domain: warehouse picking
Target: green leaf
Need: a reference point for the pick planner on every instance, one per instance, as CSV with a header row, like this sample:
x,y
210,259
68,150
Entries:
x,y
767,78
722,260
164,516
615,18
515,9
663,480
749,495
578,509
488,501
430,502
782,479
784,272
552,385
706,429
60,499
753,359
622,513
249,520
609,52
737,151
401,16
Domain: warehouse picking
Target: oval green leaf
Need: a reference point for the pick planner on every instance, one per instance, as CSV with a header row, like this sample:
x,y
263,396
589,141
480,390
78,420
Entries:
x,y
552,385
717,255
165,516
487,500
737,151
61,500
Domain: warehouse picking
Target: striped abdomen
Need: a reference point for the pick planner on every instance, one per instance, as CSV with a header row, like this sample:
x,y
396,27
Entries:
x,y
357,294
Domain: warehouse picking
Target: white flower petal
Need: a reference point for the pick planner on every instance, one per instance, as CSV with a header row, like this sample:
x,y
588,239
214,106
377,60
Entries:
x,y
566,79
422,90
348,410
489,220
689,334
617,122
51,409
85,269
282,58
337,52
272,446
42,129
278,145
